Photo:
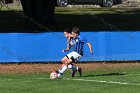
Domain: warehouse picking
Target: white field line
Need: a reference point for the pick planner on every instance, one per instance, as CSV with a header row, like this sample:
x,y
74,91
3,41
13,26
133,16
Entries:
x,y
103,81
88,80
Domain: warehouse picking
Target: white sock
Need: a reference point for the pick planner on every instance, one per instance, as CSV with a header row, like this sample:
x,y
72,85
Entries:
x,y
58,74
77,67
62,70
70,66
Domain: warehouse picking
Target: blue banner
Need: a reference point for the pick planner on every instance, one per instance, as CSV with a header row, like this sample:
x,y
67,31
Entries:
x,y
47,47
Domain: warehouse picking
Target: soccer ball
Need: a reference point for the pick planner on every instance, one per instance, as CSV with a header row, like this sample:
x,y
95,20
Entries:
x,y
53,75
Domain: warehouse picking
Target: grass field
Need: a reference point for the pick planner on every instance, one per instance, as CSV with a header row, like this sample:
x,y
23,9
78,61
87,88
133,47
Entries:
x,y
97,78
88,19
99,19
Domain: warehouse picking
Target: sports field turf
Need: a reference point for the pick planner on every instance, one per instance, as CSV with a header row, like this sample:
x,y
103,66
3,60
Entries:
x,y
102,78
88,19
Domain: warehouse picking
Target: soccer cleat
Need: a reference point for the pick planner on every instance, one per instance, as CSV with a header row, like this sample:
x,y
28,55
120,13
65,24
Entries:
x,y
59,75
80,71
57,71
73,72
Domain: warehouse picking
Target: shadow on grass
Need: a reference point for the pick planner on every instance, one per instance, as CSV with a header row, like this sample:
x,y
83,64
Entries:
x,y
117,20
12,22
108,74
111,20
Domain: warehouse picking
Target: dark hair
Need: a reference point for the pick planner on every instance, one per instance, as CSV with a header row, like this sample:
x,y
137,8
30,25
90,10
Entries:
x,y
68,30
76,30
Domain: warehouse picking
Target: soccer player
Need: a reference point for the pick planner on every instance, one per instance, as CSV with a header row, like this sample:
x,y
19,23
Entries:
x,y
67,33
77,42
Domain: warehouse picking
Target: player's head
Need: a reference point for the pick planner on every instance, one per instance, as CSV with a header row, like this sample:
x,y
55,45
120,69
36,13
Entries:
x,y
67,32
75,32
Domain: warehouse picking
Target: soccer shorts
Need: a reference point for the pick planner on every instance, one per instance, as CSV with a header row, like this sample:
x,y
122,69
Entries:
x,y
74,56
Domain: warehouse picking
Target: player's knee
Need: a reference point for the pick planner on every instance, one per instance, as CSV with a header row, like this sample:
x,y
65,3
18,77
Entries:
x,y
63,60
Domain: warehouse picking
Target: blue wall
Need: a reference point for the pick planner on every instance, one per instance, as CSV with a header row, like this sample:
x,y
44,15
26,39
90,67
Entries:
x,y
44,47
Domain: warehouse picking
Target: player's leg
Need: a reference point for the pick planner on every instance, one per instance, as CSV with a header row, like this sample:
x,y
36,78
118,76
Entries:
x,y
70,65
79,69
64,66
75,58
67,60
73,68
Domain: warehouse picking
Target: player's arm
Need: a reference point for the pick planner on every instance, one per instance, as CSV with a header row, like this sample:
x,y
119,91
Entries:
x,y
66,50
90,47
88,44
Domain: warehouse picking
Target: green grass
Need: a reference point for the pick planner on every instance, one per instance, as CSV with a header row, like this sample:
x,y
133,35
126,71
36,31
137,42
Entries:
x,y
99,19
88,19
40,82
